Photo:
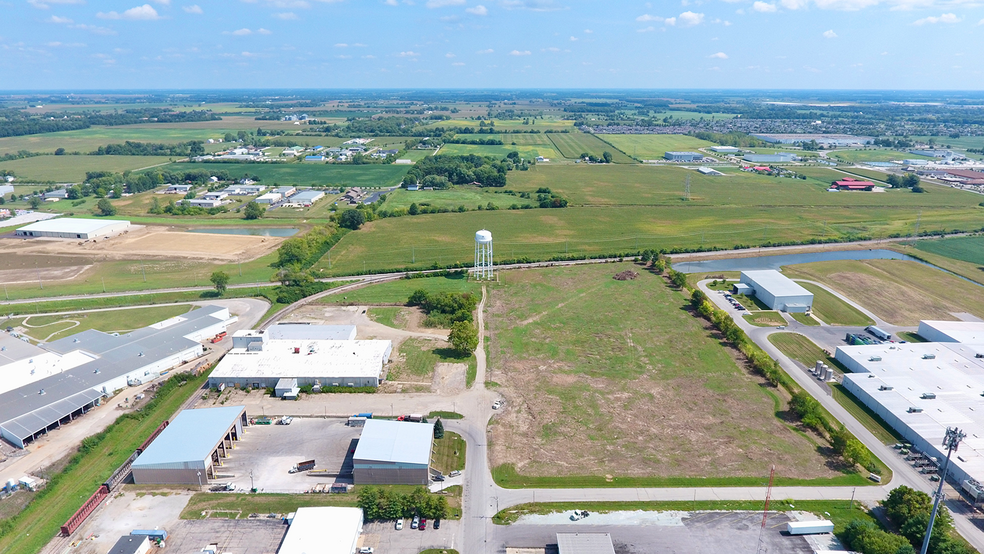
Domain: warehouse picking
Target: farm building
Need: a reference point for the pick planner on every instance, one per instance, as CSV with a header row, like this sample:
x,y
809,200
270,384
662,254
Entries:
x,y
70,228
920,389
177,189
45,387
683,156
218,195
260,360
777,291
585,543
189,449
725,149
778,157
852,184
325,530
268,198
307,197
393,453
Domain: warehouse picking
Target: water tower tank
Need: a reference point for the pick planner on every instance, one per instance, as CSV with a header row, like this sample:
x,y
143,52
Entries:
x,y
483,236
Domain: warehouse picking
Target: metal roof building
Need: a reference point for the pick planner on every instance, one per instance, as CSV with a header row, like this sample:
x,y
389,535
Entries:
x,y
778,157
777,291
323,530
189,449
131,544
71,228
585,543
307,197
920,389
683,156
96,364
393,452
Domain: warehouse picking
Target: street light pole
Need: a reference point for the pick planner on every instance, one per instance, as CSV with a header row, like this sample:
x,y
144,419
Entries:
x,y
951,441
199,479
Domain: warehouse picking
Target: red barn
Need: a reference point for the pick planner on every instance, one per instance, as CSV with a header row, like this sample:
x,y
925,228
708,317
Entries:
x,y
852,184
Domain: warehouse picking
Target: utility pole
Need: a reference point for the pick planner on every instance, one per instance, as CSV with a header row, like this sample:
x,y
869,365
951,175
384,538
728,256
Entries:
x,y
143,270
765,512
686,189
951,441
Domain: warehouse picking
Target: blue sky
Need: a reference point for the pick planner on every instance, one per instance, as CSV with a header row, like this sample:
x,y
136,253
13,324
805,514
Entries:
x,y
842,44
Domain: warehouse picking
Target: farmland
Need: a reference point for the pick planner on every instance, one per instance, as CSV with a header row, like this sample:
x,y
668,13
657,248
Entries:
x,y
528,152
866,155
72,169
572,145
967,249
374,175
463,195
652,147
651,394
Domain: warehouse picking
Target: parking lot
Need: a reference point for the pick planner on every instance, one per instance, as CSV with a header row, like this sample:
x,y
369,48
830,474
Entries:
x,y
269,451
385,539
236,536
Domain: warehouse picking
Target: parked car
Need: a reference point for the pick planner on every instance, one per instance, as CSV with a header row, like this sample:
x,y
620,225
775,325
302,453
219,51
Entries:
x,y
415,523
399,525
437,524
286,420
365,550
497,404
423,523
438,477
454,473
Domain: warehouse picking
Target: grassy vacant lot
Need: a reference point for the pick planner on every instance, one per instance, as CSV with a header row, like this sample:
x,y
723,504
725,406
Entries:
x,y
875,155
53,327
374,175
898,291
390,316
397,292
572,145
799,348
463,195
867,417
72,169
449,453
420,357
765,319
833,310
967,249
527,151
652,147
606,377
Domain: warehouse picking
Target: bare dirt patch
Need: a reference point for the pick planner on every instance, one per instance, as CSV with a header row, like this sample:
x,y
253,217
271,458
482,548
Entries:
x,y
449,378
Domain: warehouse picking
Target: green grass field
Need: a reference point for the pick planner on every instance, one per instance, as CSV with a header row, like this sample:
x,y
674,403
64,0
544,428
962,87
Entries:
x,y
72,169
449,453
54,327
87,140
390,316
967,249
652,147
834,311
527,152
421,355
799,348
572,145
872,421
872,155
461,195
626,402
397,292
765,319
374,175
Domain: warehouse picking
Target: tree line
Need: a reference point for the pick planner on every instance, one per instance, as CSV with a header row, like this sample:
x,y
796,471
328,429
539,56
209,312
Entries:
x,y
379,503
909,511
458,170
15,122
132,148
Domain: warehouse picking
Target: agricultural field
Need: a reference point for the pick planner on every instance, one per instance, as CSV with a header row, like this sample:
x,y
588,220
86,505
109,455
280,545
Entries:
x,y
528,152
897,291
652,393
461,195
966,249
961,142
87,140
875,155
572,145
652,147
677,114
54,327
507,124
397,292
321,175
72,169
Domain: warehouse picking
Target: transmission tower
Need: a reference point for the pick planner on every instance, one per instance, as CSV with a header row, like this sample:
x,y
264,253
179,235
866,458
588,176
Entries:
x,y
765,512
951,441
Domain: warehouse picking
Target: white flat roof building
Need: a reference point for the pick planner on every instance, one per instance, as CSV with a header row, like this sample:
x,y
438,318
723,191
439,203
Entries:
x,y
323,530
269,198
778,291
920,389
72,228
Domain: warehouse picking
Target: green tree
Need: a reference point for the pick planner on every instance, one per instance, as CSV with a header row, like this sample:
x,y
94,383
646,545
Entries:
x,y
229,137
414,209
463,338
293,252
438,429
607,156
221,281
35,202
894,180
59,151
105,207
74,192
253,211
911,180
352,219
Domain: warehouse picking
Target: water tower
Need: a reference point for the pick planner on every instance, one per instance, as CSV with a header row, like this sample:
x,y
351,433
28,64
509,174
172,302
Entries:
x,y
483,254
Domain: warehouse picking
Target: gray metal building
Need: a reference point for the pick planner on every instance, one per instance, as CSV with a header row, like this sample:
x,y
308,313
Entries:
x,y
777,291
393,453
131,544
72,228
778,157
191,447
683,156
585,543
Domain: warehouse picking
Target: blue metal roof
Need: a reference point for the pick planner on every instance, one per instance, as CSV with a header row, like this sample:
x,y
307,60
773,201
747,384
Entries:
x,y
191,437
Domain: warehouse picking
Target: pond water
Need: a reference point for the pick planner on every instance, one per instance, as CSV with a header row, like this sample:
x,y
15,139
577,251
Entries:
x,y
276,232
775,262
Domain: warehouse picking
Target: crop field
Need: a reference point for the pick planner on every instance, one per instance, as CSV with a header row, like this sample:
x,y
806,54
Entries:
x,y
898,291
528,152
834,311
651,394
967,249
54,327
541,124
962,142
462,195
72,169
87,140
373,175
855,156
572,145
397,292
652,147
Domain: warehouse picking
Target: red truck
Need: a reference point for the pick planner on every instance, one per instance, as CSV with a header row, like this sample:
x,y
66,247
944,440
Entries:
x,y
219,337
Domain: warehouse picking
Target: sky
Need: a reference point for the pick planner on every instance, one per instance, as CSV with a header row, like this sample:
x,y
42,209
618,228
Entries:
x,y
200,44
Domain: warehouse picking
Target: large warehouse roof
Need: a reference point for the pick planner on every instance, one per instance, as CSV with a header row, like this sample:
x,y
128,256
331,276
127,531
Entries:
x,y
395,441
585,543
968,332
775,282
342,358
323,530
191,437
70,225
295,331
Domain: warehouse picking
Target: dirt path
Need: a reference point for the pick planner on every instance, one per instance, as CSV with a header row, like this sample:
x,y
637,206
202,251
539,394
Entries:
x,y
480,351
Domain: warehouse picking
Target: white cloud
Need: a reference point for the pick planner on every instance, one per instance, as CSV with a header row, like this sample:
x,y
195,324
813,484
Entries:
x,y
719,55
478,10
94,29
162,2
285,15
794,4
59,20
588,31
553,49
408,54
449,55
671,21
646,29
45,4
241,32
689,19
763,7
139,13
57,44
829,34
486,51
391,3
520,53
341,45
573,39
981,22
444,3
647,17
343,57
459,64
933,20
194,8
263,31
533,5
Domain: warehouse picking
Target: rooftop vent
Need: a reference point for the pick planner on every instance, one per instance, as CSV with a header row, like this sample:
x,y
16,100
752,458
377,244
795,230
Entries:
x,y
875,359
886,387
928,396
915,410
41,391
95,371
929,356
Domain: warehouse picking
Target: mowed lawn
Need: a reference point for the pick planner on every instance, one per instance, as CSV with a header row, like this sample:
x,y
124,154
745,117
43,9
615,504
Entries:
x,y
398,292
462,195
876,155
605,377
834,311
652,147
72,169
572,145
526,151
373,175
54,327
898,291
966,249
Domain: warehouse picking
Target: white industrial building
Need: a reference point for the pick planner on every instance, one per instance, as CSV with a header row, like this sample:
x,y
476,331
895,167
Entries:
x,y
72,228
775,290
307,197
322,530
204,202
46,386
920,389
315,355
269,198
585,543
725,149
393,453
